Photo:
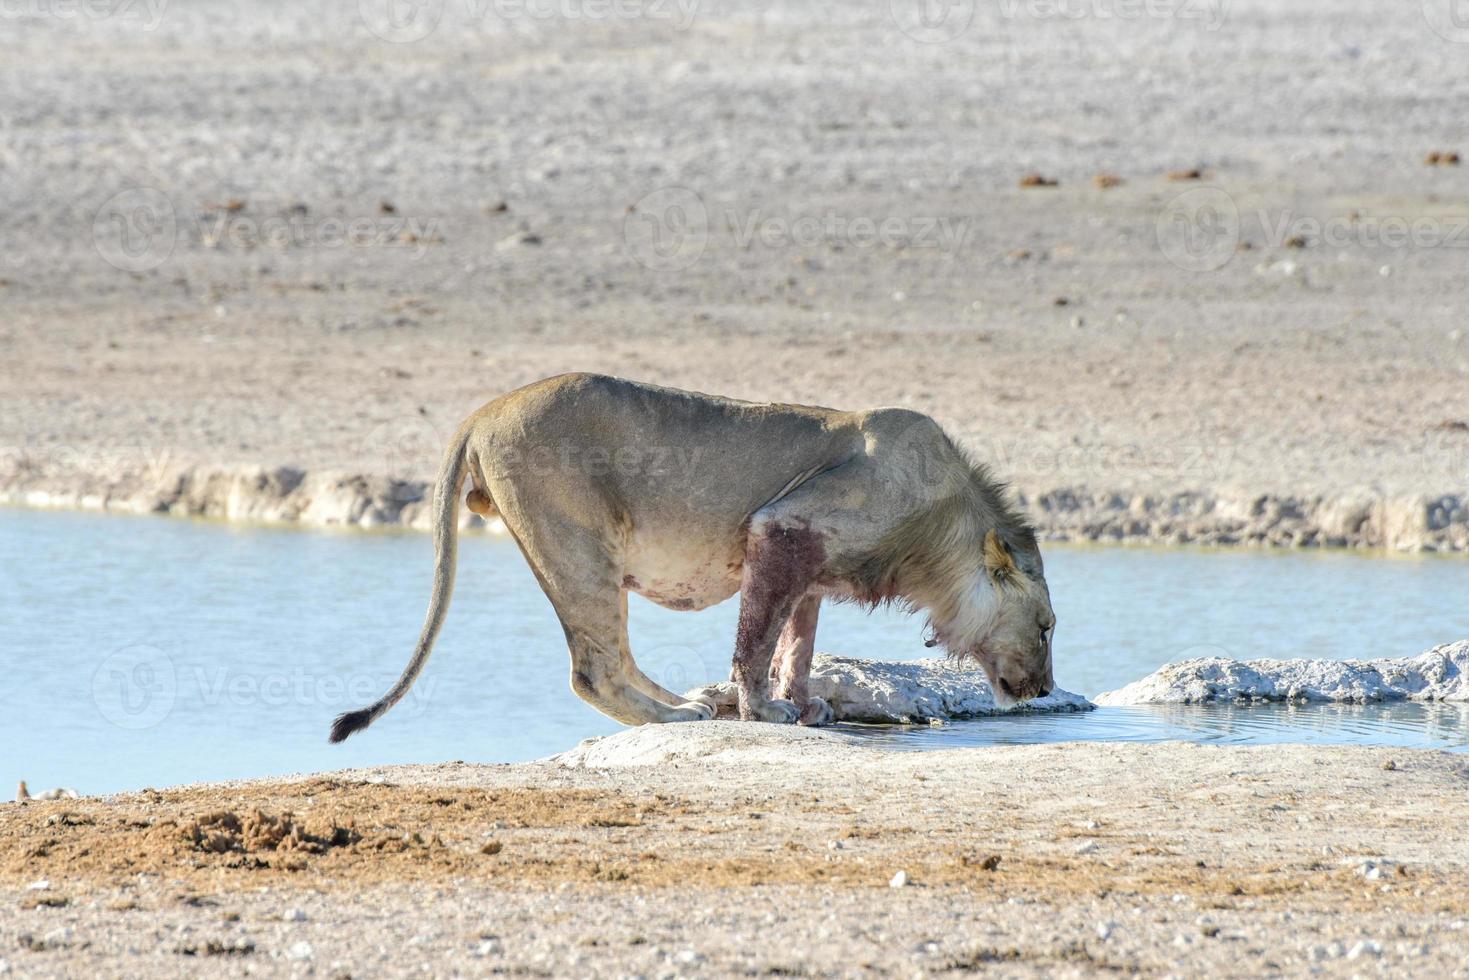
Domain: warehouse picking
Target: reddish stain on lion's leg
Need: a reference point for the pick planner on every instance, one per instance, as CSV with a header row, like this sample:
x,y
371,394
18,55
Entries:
x,y
792,664
781,561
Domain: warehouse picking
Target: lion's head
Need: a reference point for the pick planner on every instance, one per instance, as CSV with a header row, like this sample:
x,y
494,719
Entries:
x,y
1015,652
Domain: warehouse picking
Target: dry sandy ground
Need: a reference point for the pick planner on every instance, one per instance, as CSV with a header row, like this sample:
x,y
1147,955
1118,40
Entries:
x,y
764,852
773,199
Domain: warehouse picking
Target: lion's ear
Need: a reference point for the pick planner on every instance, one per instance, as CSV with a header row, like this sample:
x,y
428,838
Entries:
x,y
997,557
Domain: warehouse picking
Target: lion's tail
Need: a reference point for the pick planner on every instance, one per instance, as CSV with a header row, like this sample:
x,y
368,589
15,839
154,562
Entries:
x,y
446,540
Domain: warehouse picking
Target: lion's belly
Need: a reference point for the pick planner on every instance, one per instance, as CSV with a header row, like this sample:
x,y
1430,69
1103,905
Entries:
x,y
682,576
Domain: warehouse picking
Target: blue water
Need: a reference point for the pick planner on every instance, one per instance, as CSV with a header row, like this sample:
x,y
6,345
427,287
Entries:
x,y
147,651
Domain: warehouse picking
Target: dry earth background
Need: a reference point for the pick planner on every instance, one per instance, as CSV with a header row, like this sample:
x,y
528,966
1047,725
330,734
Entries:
x,y
209,308
257,260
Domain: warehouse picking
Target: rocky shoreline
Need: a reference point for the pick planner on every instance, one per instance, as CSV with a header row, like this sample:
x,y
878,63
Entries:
x,y
287,495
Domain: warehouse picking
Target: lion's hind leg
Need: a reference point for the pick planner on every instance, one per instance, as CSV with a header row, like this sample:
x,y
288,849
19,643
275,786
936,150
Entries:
x,y
592,608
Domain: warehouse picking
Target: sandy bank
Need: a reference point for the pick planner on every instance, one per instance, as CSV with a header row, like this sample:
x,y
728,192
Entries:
x,y
767,852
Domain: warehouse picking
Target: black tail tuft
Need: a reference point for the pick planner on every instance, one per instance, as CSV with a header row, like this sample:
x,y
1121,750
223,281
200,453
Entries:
x,y
351,721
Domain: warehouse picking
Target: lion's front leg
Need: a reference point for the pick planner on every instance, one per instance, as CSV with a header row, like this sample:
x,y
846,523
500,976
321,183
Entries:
x,y
792,665
781,562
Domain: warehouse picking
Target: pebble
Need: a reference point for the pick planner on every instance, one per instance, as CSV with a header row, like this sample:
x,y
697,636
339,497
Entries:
x,y
1365,947
299,951
899,880
488,947
1104,930
833,845
687,957
38,886
59,937
295,915
4,966
1086,847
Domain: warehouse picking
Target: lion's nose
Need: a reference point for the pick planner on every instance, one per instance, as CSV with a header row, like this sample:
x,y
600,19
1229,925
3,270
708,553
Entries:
x,y
1005,686
1043,691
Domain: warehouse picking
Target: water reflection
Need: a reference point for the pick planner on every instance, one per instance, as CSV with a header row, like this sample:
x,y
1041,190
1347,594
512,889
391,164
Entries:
x,y
1403,724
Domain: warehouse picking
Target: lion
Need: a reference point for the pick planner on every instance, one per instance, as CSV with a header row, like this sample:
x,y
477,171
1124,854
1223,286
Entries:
x,y
611,486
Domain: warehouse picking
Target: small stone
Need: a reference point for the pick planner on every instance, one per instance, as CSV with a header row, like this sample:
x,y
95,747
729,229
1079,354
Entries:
x,y
294,915
299,951
687,957
1389,765
899,296
1086,847
1077,322
899,880
1104,930
833,845
38,886
488,947
492,847
1365,947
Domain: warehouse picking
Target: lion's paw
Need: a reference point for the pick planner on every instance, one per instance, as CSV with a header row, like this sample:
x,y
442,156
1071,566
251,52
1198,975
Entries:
x,y
693,711
817,712
778,711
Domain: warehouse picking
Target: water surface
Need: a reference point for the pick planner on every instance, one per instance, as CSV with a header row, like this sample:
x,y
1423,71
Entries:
x,y
147,651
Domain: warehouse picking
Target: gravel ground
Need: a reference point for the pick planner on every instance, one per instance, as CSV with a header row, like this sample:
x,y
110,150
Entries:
x,y
264,236
757,851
